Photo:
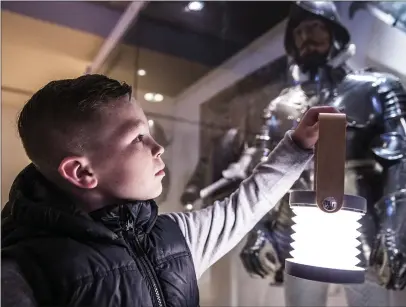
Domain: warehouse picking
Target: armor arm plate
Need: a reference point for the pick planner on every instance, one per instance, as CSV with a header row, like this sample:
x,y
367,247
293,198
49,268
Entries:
x,y
389,254
392,97
390,146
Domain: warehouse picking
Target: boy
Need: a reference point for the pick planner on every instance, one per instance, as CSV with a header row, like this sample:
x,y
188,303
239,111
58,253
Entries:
x,y
81,228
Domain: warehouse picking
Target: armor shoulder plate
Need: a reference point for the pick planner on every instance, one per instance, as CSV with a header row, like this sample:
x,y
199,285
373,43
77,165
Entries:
x,y
366,96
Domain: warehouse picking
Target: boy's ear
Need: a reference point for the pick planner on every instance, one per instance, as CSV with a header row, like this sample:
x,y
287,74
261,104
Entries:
x,y
77,171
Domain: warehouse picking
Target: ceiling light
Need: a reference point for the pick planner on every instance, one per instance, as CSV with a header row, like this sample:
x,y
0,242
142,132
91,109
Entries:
x,y
149,96
195,6
326,231
141,72
158,97
153,97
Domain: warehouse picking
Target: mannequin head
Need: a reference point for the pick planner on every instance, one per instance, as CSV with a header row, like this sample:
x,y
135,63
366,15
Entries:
x,y
314,34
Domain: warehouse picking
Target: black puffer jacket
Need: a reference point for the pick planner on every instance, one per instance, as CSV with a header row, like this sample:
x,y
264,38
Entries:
x,y
125,255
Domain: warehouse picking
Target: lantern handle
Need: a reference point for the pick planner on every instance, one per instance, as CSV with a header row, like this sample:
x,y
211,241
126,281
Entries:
x,y
329,162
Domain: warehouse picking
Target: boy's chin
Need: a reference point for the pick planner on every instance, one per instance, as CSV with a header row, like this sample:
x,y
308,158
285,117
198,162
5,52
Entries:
x,y
157,192
153,193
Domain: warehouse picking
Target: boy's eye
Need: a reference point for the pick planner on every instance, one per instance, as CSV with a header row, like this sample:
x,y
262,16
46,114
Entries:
x,y
139,138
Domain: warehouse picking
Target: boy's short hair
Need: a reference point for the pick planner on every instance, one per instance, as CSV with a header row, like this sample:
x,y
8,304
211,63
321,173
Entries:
x,y
57,120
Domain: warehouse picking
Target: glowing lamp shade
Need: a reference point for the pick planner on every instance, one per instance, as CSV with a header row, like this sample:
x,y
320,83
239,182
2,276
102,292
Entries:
x,y
326,246
330,233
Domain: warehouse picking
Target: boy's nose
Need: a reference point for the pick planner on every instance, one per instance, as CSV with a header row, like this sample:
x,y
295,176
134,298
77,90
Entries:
x,y
158,150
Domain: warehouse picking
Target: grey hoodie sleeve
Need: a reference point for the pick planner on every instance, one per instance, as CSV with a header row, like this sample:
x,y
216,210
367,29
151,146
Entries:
x,y
214,231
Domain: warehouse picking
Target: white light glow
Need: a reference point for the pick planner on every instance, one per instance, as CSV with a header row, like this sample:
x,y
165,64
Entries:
x,y
328,240
189,207
149,96
158,97
150,122
195,6
153,97
141,72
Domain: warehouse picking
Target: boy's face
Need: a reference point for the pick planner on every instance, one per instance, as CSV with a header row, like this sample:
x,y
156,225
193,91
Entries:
x,y
125,161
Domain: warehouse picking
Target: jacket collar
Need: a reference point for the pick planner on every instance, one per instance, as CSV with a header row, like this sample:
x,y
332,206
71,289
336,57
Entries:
x,y
38,204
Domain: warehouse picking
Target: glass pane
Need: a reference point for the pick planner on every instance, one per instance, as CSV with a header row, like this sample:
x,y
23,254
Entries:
x,y
170,47
390,12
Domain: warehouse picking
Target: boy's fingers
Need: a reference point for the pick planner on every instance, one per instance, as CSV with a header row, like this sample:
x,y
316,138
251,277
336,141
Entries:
x,y
312,115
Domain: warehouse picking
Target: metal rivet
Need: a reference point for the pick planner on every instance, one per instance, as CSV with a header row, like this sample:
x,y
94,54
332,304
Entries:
x,y
329,204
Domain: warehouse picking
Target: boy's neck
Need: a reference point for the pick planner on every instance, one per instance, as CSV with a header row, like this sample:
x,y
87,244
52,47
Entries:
x,y
90,201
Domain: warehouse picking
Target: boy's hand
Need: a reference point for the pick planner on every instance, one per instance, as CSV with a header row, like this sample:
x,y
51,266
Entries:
x,y
306,133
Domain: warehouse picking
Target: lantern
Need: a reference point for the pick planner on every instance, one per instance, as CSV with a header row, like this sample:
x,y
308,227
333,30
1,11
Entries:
x,y
325,242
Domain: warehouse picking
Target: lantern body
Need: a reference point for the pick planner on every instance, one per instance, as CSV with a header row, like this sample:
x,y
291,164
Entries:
x,y
326,245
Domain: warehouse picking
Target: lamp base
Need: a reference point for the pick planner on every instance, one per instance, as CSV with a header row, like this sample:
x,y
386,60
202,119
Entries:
x,y
334,276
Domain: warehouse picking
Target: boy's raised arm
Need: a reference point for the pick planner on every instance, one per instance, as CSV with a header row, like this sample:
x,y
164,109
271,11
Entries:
x,y
215,230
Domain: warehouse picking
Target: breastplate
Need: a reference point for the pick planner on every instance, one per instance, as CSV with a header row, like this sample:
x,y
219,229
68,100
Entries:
x,y
287,109
354,95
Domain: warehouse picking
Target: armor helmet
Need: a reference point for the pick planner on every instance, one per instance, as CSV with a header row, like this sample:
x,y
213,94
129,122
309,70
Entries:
x,y
325,10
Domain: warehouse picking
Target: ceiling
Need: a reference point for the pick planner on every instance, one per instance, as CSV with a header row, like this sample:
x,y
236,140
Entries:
x,y
392,13
175,46
202,39
231,21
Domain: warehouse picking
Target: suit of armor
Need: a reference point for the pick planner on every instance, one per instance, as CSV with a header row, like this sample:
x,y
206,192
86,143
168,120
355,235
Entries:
x,y
375,105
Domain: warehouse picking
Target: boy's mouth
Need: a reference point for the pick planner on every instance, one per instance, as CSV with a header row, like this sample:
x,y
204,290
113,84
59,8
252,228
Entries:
x,y
161,172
